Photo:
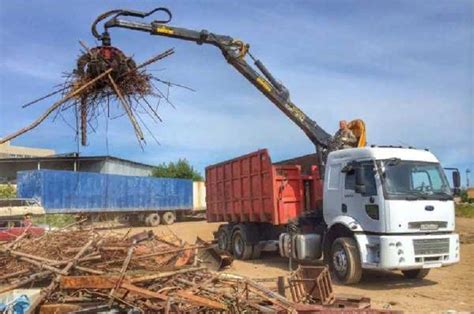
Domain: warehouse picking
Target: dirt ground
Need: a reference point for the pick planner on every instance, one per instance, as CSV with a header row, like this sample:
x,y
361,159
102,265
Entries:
x,y
449,288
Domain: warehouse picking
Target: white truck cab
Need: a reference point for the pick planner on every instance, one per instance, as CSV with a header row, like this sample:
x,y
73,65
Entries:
x,y
396,207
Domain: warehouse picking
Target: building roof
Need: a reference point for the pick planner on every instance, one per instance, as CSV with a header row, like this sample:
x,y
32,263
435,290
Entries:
x,y
71,158
6,150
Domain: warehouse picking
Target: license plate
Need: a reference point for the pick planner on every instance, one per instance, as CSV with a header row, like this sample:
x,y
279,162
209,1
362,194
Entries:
x,y
429,227
432,265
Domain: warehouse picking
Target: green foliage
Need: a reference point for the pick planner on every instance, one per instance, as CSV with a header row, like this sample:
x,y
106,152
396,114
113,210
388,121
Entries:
x,y
180,170
465,210
54,220
464,197
7,191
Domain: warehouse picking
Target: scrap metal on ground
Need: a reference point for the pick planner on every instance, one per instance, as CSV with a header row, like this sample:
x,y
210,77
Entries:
x,y
84,270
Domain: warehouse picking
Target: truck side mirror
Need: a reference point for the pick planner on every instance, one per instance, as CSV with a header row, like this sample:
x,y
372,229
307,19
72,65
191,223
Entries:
x,y
456,182
359,179
347,168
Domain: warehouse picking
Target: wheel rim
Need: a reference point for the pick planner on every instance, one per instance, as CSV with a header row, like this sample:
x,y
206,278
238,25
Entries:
x,y
154,219
222,240
238,245
339,260
168,217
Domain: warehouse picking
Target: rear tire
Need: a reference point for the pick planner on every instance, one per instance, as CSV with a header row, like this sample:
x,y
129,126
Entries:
x,y
241,248
256,251
134,220
141,220
223,238
415,273
153,220
168,218
345,261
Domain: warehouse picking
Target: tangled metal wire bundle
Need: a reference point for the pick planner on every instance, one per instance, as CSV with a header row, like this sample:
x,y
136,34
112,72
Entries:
x,y
106,82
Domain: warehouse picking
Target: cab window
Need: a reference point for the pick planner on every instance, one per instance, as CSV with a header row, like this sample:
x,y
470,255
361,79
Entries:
x,y
350,180
369,178
420,179
334,173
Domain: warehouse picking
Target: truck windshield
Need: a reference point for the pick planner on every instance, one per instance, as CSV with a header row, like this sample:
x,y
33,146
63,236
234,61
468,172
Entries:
x,y
414,180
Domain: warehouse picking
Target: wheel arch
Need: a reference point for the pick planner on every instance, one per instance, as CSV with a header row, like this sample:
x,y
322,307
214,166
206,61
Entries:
x,y
335,231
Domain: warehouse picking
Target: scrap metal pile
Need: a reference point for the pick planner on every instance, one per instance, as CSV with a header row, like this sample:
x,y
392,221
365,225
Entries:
x,y
87,269
105,82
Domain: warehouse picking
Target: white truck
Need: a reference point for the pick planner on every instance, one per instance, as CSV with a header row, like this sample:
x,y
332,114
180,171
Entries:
x,y
377,208
388,208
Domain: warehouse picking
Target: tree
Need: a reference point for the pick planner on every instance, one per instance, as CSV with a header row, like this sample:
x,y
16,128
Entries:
x,y
7,191
465,197
180,170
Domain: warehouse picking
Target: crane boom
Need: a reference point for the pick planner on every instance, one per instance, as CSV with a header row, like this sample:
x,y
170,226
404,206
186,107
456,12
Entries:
x,y
235,52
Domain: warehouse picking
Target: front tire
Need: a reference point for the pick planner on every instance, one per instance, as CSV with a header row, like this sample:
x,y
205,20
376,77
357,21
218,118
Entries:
x,y
415,273
345,261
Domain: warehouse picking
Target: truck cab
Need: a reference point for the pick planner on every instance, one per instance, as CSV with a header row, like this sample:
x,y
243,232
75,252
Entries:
x,y
387,208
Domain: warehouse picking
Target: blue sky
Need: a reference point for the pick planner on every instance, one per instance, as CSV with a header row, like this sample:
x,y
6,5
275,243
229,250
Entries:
x,y
405,67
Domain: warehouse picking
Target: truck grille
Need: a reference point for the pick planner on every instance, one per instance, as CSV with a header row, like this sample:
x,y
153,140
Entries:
x,y
431,246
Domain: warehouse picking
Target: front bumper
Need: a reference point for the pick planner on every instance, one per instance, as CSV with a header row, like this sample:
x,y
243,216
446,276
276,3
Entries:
x,y
404,252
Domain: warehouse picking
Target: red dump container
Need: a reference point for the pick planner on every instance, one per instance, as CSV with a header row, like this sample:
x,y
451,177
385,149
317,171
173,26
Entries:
x,y
250,188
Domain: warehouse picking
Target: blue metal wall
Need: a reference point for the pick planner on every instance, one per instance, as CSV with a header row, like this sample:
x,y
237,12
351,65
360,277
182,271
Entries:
x,y
67,191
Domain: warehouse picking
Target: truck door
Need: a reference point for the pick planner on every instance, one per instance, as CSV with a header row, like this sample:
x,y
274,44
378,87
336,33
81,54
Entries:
x,y
332,192
362,206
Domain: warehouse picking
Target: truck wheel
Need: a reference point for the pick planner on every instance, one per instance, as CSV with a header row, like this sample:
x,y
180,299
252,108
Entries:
x,y
223,238
141,220
153,220
168,218
133,220
345,261
415,273
256,251
241,248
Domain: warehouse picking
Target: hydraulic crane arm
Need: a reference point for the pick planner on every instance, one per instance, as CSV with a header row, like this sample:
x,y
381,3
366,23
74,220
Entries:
x,y
235,52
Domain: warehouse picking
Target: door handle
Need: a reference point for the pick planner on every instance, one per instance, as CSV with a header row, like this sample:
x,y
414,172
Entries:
x,y
344,208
